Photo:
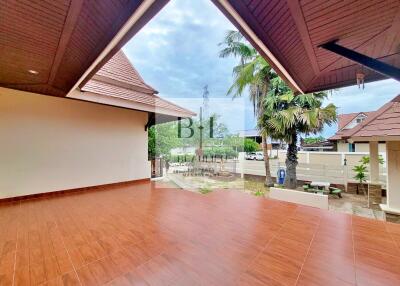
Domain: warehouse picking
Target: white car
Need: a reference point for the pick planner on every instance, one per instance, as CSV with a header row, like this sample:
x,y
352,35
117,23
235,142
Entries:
x,y
251,156
259,156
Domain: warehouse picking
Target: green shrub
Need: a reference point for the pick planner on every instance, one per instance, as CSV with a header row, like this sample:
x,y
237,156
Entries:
x,y
205,191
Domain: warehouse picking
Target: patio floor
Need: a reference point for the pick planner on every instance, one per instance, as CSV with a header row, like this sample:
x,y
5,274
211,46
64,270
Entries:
x,y
140,235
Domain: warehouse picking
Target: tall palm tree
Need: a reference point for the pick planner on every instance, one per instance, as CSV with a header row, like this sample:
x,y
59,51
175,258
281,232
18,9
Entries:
x,y
287,115
254,73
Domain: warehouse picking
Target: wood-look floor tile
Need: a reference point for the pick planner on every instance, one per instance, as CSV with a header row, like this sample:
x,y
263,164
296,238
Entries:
x,y
370,259
67,279
86,277
278,268
22,276
315,277
372,276
140,235
255,278
7,268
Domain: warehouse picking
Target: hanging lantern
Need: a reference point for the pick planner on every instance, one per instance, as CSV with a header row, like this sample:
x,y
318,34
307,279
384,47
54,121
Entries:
x,y
360,75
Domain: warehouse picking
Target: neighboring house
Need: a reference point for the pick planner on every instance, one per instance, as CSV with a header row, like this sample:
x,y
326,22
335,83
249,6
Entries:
x,y
97,136
382,126
323,146
346,124
254,135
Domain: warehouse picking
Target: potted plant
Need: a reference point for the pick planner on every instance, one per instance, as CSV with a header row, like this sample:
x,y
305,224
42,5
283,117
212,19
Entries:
x,y
360,176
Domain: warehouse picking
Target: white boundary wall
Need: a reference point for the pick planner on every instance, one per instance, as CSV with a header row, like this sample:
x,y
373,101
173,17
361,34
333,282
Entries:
x,y
313,166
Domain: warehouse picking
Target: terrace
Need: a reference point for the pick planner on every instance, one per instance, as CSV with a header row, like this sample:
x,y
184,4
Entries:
x,y
138,234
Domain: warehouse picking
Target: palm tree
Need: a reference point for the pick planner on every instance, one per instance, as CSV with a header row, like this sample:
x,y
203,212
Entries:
x,y
287,115
254,73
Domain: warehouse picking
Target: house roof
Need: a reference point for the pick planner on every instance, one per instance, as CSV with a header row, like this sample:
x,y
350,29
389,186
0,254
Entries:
x,y
322,145
384,122
120,71
343,121
118,83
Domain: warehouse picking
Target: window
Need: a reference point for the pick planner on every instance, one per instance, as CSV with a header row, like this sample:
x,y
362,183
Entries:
x,y
352,147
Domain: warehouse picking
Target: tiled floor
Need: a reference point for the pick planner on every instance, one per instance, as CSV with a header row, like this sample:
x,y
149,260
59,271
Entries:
x,y
138,235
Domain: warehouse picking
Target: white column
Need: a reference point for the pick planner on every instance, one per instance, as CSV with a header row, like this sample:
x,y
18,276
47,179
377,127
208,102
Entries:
x,y
393,175
373,162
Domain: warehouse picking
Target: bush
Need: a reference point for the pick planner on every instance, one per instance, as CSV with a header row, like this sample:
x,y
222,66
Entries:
x,y
220,151
251,145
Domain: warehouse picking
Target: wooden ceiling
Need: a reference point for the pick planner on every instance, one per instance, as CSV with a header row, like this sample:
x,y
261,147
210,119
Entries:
x,y
61,39
58,39
293,30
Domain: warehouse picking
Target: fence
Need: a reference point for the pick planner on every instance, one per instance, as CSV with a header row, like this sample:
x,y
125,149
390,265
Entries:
x,y
330,169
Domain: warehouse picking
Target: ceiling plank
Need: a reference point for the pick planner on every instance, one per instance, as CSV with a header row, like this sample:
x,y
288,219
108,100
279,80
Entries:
x,y
298,17
246,23
69,26
378,37
376,65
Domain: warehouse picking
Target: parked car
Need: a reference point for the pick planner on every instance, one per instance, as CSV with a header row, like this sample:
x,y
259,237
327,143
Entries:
x,y
251,156
259,156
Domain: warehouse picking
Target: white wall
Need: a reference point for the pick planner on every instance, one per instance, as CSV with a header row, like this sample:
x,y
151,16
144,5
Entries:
x,y
393,178
360,147
298,197
50,144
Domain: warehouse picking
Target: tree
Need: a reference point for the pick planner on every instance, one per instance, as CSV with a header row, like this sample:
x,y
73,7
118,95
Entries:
x,y
162,138
251,145
311,140
288,115
252,73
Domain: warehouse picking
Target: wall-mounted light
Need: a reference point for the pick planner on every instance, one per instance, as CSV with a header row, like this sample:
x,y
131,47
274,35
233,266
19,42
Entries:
x,y
33,72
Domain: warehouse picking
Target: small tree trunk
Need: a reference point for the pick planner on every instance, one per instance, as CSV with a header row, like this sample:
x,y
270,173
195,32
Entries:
x,y
268,179
291,163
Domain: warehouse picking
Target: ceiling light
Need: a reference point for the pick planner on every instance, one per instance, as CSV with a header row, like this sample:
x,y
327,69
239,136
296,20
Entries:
x,y
33,72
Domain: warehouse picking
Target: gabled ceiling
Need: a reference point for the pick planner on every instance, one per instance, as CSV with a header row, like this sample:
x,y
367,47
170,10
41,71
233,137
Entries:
x,y
293,30
47,45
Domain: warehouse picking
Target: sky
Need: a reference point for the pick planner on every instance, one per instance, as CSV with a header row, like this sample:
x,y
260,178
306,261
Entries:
x,y
177,54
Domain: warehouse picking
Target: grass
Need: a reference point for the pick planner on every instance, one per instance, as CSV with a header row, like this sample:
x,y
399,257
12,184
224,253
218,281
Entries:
x,y
205,191
256,187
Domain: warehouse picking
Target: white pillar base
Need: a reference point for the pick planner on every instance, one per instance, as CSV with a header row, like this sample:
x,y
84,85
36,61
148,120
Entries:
x,y
387,209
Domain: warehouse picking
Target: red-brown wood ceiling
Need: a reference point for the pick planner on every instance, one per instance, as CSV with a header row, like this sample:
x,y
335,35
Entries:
x,y
293,31
59,39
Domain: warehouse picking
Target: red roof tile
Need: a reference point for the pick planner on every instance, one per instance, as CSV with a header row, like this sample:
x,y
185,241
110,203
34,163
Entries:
x,y
343,121
154,101
119,79
385,122
120,69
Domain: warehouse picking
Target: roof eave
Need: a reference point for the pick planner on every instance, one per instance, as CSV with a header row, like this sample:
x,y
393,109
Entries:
x,y
230,12
143,14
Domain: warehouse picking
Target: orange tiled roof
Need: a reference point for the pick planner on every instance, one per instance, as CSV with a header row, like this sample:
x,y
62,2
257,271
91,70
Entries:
x,y
343,121
385,122
119,79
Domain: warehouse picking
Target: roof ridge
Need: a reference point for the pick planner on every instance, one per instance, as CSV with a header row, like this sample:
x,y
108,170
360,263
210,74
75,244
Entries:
x,y
371,118
138,74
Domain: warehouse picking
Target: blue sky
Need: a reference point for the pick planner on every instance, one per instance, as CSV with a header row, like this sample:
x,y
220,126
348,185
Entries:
x,y
177,54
